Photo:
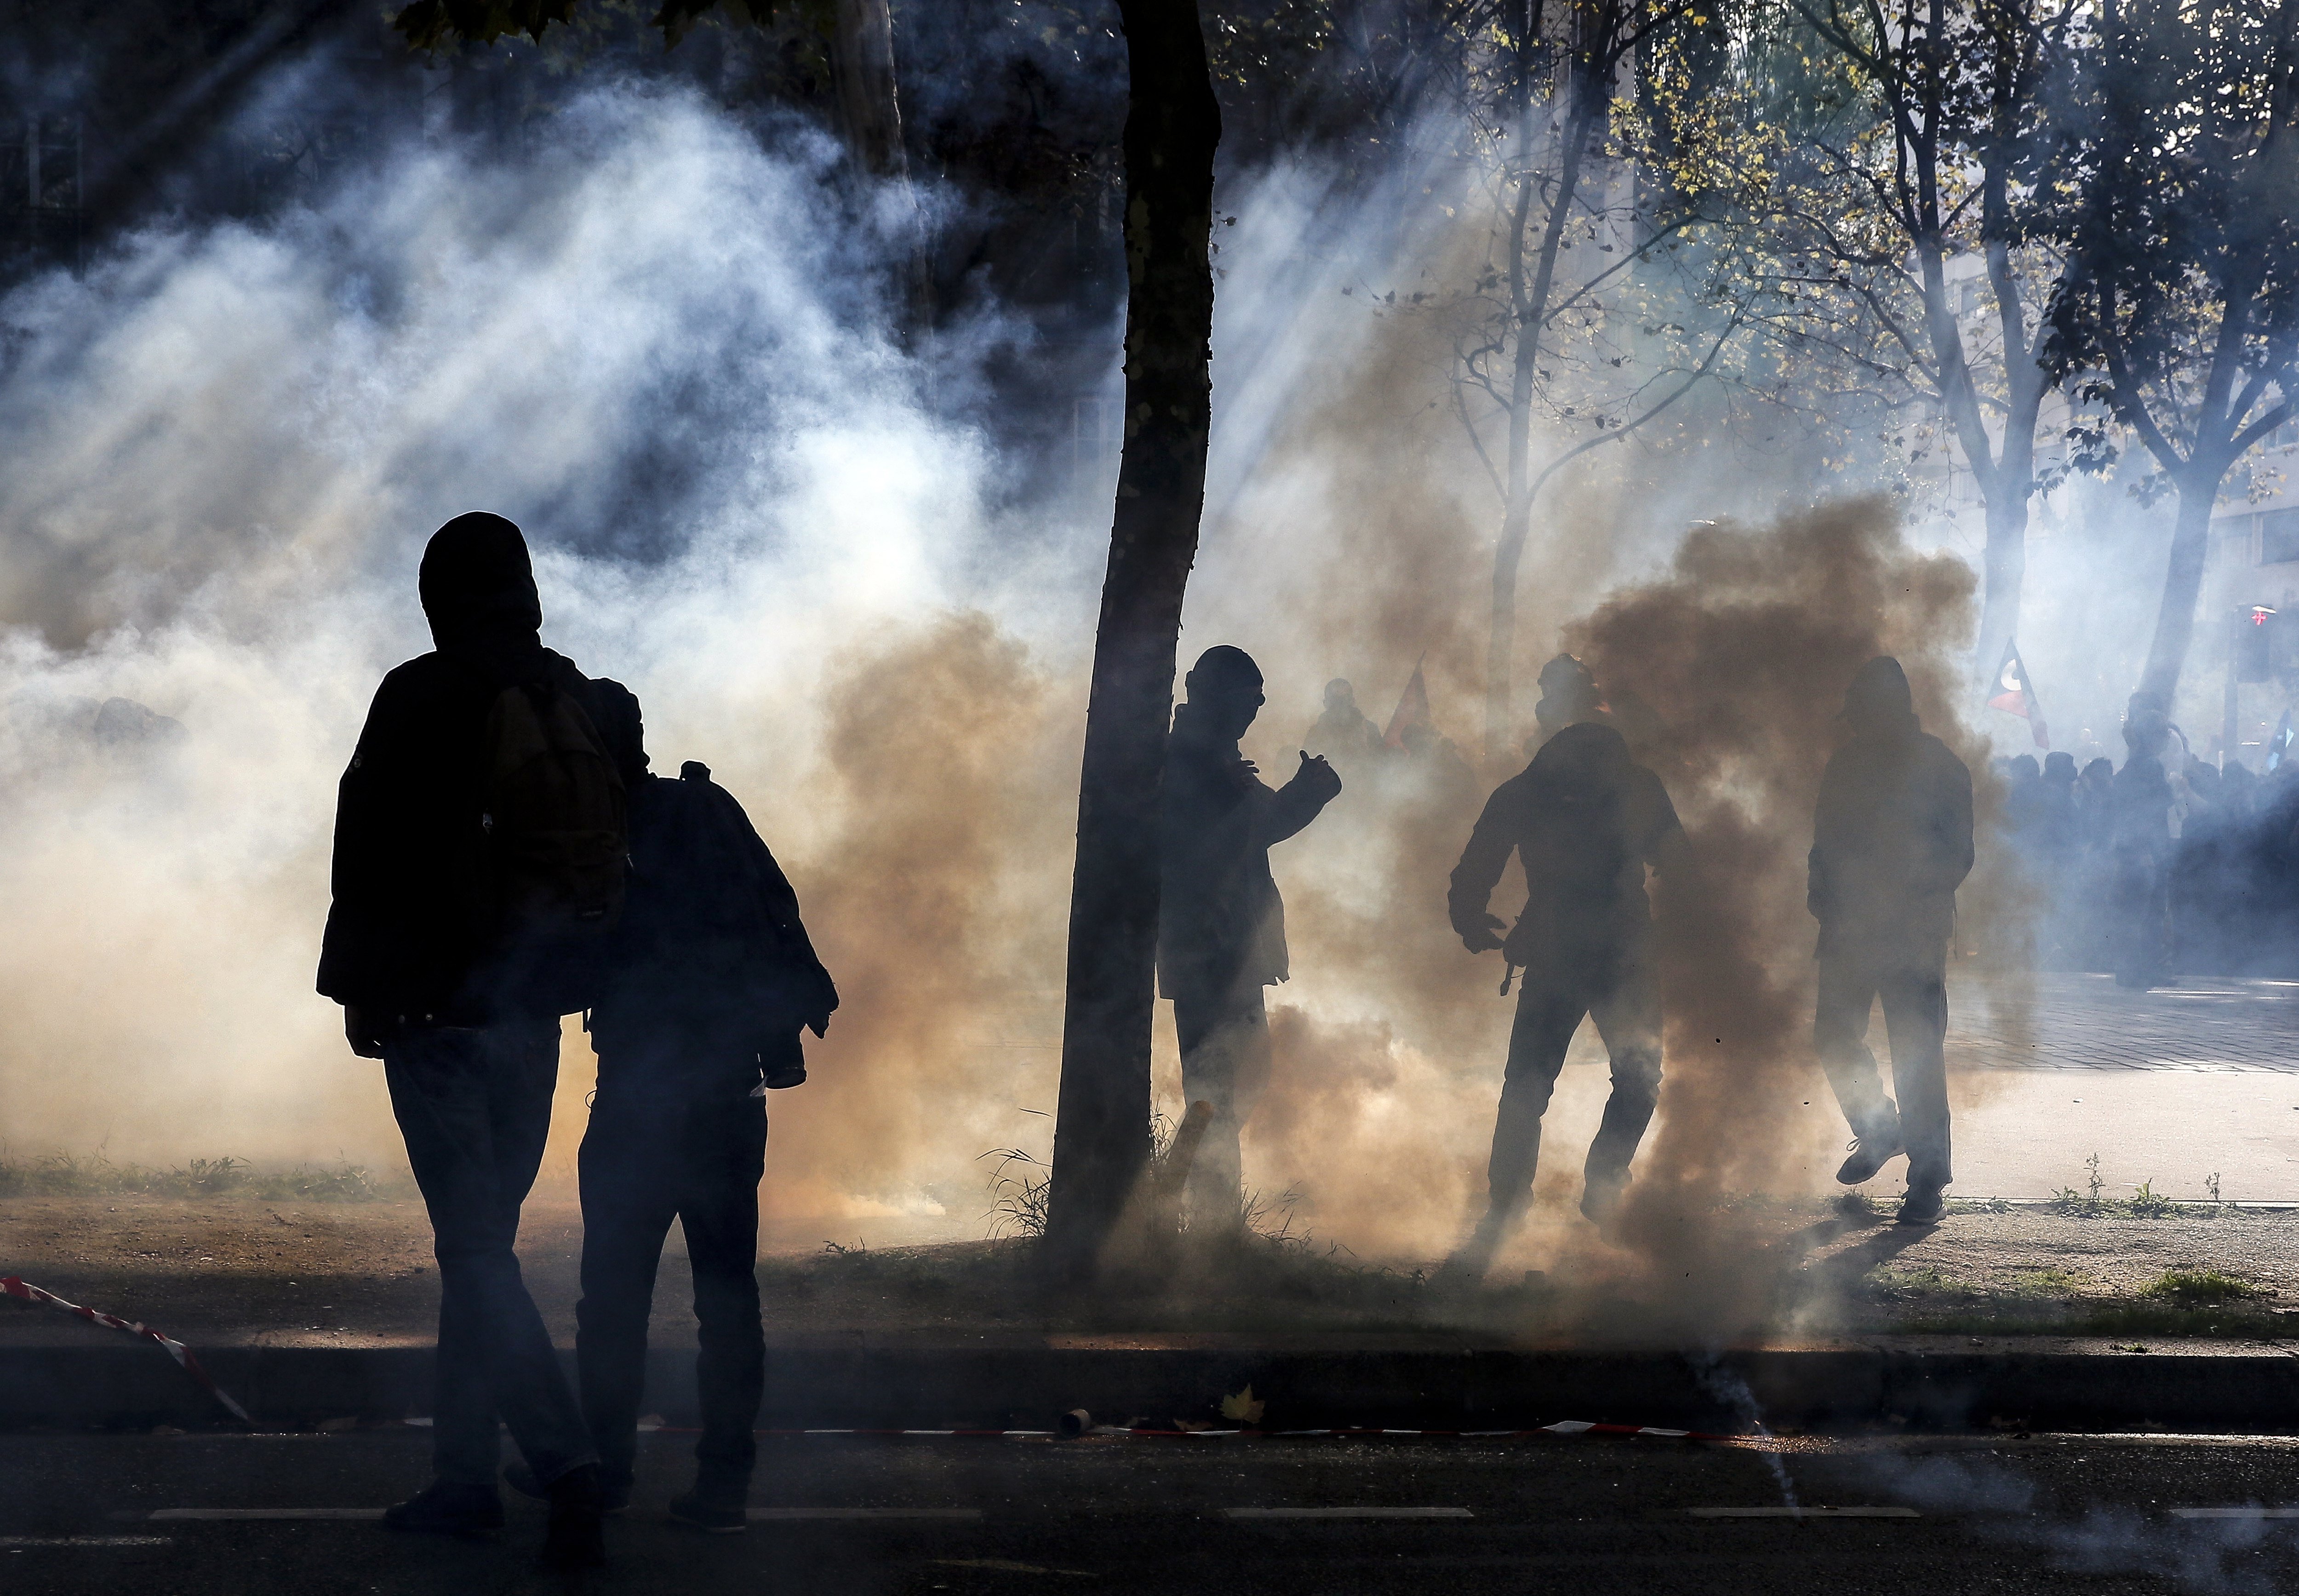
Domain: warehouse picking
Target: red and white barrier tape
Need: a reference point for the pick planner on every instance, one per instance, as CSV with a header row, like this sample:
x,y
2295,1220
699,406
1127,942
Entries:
x,y
14,1285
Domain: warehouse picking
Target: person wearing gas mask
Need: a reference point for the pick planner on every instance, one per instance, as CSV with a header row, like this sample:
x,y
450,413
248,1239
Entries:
x,y
1587,821
1221,931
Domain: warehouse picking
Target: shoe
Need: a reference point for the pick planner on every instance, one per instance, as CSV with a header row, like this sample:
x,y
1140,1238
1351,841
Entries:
x,y
1869,1154
1923,1206
576,1536
447,1508
712,1518
614,1500
1600,1201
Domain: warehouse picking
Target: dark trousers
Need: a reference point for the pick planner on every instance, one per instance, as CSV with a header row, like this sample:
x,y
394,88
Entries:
x,y
1913,982
1224,1037
475,1107
1618,989
2139,915
652,1154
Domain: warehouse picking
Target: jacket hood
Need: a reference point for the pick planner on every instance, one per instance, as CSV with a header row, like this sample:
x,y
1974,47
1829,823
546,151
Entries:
x,y
478,583
1879,702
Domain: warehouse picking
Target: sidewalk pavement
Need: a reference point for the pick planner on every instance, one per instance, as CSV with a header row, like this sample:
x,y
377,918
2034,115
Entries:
x,y
1014,1380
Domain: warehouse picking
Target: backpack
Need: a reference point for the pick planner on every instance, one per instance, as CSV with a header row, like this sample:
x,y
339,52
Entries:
x,y
712,942
553,813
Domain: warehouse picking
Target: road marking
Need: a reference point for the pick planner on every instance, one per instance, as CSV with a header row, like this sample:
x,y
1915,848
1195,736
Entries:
x,y
793,1515
1815,1512
2235,1512
262,1515
1346,1513
18,1542
256,1435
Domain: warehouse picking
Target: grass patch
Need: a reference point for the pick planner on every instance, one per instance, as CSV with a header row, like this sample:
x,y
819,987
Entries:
x,y
2202,1288
1893,1283
70,1174
2050,1283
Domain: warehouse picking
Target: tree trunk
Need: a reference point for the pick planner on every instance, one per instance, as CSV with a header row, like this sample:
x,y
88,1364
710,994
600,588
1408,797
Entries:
x,y
862,71
1529,303
870,122
2004,569
2183,581
1101,1135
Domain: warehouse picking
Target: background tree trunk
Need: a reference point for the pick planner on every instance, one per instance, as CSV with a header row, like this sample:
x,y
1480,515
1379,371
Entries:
x,y
870,122
1101,1134
862,71
2005,570
2183,581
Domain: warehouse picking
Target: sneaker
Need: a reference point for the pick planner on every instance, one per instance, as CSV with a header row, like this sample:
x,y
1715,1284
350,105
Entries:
x,y
1600,1201
712,1518
614,1497
575,1537
1923,1206
1869,1154
447,1508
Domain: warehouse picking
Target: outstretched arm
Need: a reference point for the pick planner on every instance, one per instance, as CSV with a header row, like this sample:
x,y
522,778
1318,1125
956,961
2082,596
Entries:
x,y
1300,800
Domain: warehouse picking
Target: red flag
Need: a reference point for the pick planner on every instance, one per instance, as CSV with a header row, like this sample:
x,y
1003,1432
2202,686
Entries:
x,y
1412,708
2015,695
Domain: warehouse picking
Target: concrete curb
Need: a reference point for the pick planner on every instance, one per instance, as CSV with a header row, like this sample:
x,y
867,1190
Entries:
x,y
1025,1382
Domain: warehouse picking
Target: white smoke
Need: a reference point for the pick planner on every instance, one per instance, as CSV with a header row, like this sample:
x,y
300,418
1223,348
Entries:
x,y
224,447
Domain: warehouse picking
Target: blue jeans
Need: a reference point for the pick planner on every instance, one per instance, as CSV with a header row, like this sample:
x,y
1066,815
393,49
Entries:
x,y
475,1107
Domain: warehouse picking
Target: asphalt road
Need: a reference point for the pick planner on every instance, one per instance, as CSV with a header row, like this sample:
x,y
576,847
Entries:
x,y
1969,1515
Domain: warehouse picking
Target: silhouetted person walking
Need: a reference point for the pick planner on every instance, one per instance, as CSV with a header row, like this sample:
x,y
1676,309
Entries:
x,y
1586,819
1221,932
2139,808
478,865
1892,842
713,978
1343,729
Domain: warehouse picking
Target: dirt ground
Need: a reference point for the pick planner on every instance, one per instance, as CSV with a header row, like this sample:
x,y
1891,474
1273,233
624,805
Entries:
x,y
237,1270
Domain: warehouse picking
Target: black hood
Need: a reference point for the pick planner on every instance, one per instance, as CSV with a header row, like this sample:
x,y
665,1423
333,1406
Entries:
x,y
478,583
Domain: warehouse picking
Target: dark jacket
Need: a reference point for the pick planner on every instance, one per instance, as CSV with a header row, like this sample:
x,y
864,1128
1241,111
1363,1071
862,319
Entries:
x,y
710,960
1892,842
1586,819
2141,804
1222,923
406,934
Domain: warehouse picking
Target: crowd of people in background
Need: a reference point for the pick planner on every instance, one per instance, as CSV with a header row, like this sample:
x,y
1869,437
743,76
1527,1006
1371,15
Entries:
x,y
2169,865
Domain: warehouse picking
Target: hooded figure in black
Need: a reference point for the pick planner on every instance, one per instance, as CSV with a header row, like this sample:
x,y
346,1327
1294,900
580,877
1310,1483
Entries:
x,y
464,1013
1587,820
1221,929
1891,843
2140,846
712,978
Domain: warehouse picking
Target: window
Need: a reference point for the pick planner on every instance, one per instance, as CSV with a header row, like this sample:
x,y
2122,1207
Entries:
x,y
2278,536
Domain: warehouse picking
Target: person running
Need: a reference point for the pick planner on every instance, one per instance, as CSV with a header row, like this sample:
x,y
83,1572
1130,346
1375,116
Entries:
x,y
1587,820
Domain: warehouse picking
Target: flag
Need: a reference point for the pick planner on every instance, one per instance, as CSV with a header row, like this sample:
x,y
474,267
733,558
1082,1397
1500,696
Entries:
x,y
2279,743
1412,708
2015,695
